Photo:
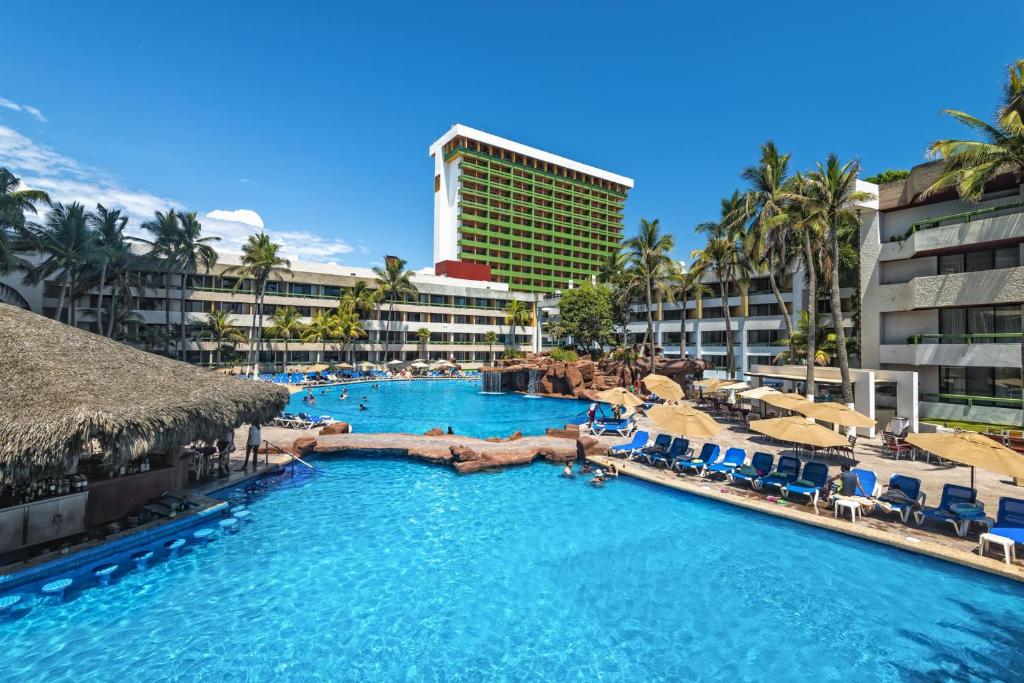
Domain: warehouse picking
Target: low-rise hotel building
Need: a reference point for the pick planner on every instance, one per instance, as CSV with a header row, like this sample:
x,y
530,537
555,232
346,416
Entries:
x,y
942,289
457,312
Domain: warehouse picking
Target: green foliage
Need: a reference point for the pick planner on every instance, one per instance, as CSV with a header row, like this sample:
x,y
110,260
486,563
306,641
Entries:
x,y
564,355
513,353
889,175
624,354
587,314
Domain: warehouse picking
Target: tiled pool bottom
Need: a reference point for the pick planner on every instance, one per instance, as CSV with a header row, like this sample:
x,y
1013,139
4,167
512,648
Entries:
x,y
385,569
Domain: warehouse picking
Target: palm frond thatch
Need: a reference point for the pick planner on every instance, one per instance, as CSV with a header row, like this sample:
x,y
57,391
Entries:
x,y
64,387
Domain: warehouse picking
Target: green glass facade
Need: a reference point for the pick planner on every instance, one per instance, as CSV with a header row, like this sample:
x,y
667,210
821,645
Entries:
x,y
538,226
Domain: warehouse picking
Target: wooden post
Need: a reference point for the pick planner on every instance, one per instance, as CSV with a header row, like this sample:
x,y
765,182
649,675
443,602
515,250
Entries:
x,y
176,461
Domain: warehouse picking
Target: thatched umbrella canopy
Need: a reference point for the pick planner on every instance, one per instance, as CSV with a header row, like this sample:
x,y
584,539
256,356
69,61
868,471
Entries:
x,y
63,387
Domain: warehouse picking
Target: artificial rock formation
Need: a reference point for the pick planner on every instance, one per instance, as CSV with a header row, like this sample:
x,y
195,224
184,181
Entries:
x,y
336,428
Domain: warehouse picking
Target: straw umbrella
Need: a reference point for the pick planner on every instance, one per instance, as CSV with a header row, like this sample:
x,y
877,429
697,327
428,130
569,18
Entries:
x,y
836,413
973,449
798,430
684,420
664,387
619,396
786,401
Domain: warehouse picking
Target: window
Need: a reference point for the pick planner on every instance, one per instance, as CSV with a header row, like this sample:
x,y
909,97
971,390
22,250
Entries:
x,y
1002,322
713,313
302,289
974,261
972,383
713,338
763,310
437,299
763,337
437,318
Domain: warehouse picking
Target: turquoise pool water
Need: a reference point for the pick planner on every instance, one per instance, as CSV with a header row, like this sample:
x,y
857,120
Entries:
x,y
419,405
390,570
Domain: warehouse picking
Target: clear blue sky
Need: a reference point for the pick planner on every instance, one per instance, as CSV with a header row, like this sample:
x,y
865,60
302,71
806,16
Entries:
x,y
318,116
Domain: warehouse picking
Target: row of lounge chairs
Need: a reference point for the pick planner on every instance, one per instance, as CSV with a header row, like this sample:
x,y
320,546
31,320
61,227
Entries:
x,y
792,479
301,421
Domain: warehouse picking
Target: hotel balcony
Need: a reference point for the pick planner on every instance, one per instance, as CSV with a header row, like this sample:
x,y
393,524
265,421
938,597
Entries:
x,y
993,224
971,351
980,288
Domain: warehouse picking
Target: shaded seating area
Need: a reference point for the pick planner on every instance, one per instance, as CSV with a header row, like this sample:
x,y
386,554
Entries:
x,y
114,436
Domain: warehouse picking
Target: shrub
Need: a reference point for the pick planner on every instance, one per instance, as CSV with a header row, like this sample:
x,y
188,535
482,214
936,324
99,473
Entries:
x,y
564,355
512,353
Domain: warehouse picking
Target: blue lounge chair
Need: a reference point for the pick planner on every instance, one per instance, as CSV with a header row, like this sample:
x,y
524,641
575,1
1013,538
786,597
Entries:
x,y
681,452
810,484
621,427
708,454
1010,520
676,450
952,494
786,471
661,444
910,486
760,463
638,442
734,458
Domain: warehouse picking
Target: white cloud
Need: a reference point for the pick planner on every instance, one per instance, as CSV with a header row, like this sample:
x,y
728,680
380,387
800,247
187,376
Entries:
x,y
26,108
66,180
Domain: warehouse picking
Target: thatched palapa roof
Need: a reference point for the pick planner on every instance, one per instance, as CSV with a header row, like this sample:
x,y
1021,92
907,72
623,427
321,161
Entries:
x,y
62,387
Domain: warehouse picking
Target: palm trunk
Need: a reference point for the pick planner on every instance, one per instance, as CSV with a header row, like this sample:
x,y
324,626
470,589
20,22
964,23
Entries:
x,y
252,330
782,307
181,323
167,313
730,359
812,313
650,326
113,307
837,319
63,294
682,328
99,301
387,335
218,340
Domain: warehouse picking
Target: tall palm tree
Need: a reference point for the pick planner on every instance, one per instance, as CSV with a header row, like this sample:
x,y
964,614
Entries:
x,y
261,260
14,204
686,284
648,253
830,199
971,164
768,242
490,338
67,246
322,328
219,328
286,324
615,275
193,251
424,336
517,314
165,228
108,225
394,283
724,254
825,345
809,232
349,328
363,300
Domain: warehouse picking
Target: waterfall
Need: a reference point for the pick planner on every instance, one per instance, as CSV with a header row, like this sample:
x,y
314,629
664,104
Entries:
x,y
491,382
531,388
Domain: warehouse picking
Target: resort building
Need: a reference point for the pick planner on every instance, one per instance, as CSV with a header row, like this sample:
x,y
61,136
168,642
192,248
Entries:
x,y
942,286
458,313
539,221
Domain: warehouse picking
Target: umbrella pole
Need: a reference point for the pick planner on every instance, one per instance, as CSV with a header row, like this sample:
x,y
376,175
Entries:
x,y
972,476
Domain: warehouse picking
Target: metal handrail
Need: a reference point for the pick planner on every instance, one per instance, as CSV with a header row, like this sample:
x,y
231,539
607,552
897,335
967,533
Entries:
x,y
266,454
970,338
963,217
972,399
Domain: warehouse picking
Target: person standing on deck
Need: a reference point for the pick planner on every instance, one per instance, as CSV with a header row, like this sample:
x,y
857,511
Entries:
x,y
252,445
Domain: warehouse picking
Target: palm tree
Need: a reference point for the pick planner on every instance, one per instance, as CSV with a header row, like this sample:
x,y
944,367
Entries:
x,y
108,225
192,251
165,227
394,283
260,261
830,197
490,338
824,346
349,328
725,256
322,328
686,283
650,263
768,241
516,315
615,275
971,164
67,246
14,204
424,336
219,328
362,299
286,324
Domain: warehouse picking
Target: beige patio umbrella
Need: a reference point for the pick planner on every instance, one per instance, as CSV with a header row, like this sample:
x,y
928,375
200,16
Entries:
x,y
664,387
786,401
318,367
396,362
684,420
619,396
341,366
443,364
366,365
419,365
733,386
973,449
795,429
836,413
757,393
712,384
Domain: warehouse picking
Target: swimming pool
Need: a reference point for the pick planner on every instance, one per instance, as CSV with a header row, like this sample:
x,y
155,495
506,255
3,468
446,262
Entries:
x,y
387,569
416,406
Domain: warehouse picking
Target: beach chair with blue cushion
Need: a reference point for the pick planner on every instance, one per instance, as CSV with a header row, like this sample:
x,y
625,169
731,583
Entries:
x,y
659,447
1010,520
760,465
638,442
708,455
910,486
620,427
734,459
952,494
810,483
787,471
676,450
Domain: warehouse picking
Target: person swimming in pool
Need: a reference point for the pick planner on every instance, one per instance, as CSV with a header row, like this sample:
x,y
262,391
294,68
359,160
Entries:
x,y
567,471
362,406
344,394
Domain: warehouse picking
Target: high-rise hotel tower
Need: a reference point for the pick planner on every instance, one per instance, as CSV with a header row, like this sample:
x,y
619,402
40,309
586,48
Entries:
x,y
539,221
